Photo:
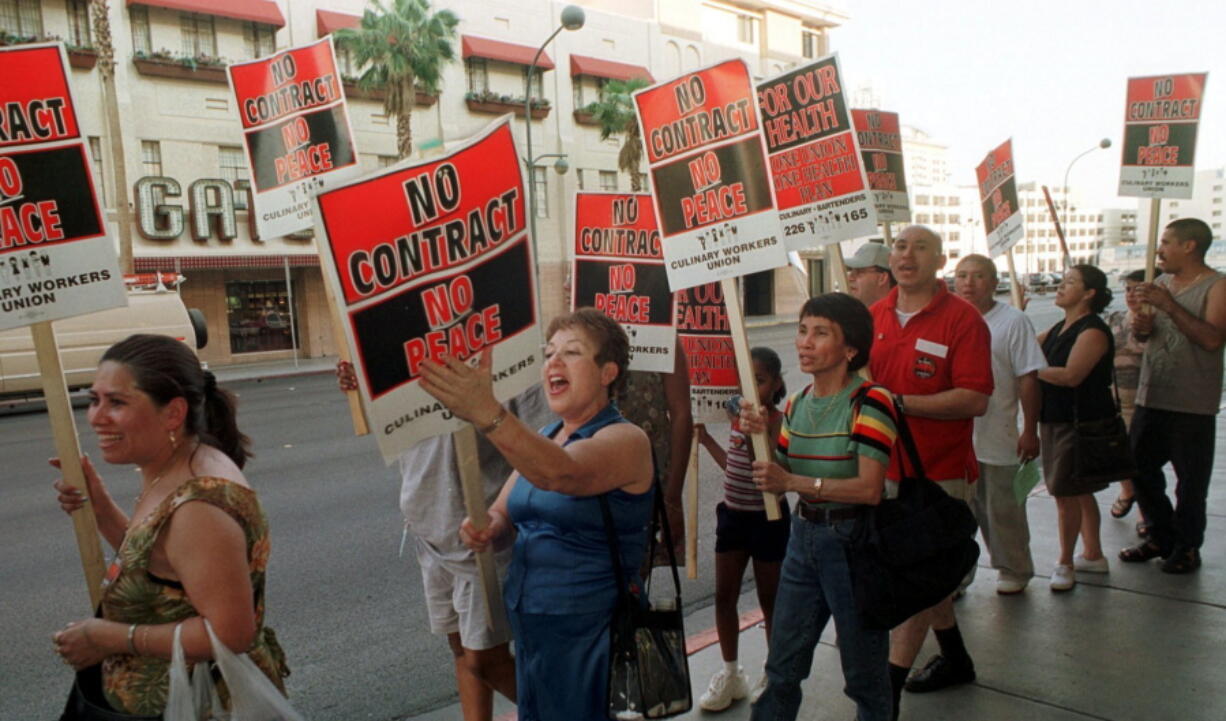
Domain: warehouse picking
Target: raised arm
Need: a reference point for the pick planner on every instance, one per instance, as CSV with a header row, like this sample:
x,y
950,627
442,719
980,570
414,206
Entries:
x,y
1208,333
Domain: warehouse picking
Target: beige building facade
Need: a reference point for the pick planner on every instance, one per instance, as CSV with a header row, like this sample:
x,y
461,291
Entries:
x,y
264,297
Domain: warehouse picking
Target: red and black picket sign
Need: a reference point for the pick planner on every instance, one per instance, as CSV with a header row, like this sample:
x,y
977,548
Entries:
x,y
36,103
47,197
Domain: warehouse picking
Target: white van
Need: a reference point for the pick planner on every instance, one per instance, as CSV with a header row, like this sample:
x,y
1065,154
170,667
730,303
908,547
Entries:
x,y
153,307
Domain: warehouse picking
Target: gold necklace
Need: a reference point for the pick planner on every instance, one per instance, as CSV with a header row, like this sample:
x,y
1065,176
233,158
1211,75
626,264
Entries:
x,y
818,418
140,496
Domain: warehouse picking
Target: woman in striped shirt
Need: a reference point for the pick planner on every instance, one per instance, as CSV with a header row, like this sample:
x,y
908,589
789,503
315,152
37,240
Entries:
x,y
834,447
742,532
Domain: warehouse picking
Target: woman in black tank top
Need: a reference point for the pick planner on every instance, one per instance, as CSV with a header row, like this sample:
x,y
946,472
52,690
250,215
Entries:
x,y
1076,385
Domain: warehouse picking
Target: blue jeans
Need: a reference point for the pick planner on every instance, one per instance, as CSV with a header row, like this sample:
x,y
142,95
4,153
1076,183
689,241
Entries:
x,y
815,584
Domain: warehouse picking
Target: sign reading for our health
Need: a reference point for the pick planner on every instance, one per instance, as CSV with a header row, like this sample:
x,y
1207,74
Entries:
x,y
880,139
820,186
706,339
710,182
619,270
56,259
430,259
297,132
1002,215
1160,120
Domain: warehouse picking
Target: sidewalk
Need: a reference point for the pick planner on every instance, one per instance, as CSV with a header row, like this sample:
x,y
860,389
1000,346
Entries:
x,y
1133,645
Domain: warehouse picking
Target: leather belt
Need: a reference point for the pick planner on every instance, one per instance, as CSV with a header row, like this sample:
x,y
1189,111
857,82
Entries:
x,y
826,515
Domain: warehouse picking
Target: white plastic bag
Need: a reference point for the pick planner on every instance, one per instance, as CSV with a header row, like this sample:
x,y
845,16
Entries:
x,y
252,696
194,699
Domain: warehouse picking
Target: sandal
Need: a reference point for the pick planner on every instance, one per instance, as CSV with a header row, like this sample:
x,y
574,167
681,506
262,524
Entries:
x,y
1185,560
1142,552
1122,506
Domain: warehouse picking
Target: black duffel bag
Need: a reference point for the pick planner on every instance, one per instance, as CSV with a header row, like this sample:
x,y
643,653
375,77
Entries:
x,y
907,554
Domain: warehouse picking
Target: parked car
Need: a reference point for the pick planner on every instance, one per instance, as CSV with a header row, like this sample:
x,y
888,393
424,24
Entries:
x,y
152,307
1003,281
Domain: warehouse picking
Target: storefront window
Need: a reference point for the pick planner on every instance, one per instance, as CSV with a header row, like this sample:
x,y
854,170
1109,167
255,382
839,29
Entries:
x,y
259,316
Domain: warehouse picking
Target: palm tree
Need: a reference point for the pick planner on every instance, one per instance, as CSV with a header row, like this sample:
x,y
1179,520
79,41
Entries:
x,y
404,46
101,16
615,113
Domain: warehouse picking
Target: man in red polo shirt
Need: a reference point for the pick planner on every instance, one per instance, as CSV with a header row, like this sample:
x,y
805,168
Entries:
x,y
933,351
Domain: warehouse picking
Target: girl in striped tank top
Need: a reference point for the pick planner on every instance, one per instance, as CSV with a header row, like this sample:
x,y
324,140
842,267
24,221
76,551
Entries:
x,y
743,533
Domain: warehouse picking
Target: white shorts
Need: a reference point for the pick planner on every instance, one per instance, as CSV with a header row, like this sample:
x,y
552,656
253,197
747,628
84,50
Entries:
x,y
455,600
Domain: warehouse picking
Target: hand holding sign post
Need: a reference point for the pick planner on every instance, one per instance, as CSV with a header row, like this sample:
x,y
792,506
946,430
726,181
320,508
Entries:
x,y
713,194
56,259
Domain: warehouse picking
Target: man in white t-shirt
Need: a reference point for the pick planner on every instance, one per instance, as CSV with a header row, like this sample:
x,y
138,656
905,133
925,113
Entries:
x,y
1000,449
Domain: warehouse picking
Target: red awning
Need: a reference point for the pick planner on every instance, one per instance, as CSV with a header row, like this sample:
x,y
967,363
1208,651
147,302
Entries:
x,y
328,21
256,11
597,68
475,47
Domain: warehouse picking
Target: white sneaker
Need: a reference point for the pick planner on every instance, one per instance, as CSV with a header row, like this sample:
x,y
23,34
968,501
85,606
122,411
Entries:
x,y
724,689
1081,564
758,688
1062,578
1008,586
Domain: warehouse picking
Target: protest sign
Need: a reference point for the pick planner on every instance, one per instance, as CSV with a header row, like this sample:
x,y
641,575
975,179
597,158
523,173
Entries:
x,y
819,181
1160,120
56,259
880,139
1002,214
619,270
427,259
709,178
706,339
296,129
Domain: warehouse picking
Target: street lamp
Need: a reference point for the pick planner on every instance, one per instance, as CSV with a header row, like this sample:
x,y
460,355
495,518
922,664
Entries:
x,y
572,19
1104,144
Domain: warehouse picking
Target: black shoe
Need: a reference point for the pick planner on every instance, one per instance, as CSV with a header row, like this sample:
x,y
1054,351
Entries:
x,y
1182,560
938,674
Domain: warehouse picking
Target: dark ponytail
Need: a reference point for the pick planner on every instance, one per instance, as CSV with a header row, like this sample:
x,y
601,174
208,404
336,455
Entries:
x,y
165,369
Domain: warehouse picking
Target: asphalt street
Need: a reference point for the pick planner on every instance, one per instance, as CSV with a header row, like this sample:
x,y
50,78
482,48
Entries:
x,y
346,607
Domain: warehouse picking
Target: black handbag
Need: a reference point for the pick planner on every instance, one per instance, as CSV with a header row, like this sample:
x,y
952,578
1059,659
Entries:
x,y
86,703
908,553
649,671
1102,453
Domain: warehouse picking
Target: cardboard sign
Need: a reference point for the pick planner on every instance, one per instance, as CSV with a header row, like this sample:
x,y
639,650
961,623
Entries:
x,y
706,340
709,177
56,259
820,186
880,140
1160,120
619,270
427,259
1002,214
297,133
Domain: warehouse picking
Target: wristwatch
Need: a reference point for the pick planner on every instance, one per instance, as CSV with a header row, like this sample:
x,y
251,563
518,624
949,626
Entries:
x,y
817,488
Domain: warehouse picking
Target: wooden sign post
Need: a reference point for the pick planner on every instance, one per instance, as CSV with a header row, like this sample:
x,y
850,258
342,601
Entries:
x,y
749,389
1015,286
473,488
68,449
1151,240
691,513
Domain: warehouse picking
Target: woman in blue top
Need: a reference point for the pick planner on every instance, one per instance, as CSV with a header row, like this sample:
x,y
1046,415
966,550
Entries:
x,y
560,590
